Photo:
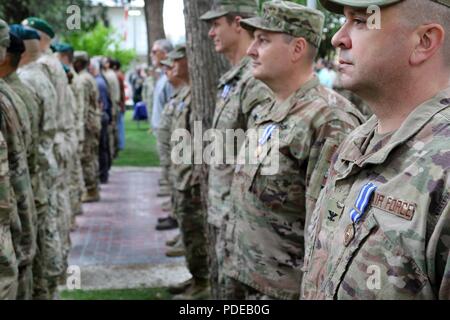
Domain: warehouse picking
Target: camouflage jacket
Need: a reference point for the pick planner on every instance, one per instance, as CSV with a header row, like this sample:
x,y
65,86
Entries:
x,y
65,144
238,95
182,126
273,198
399,249
87,90
165,127
35,79
78,112
8,262
33,112
23,227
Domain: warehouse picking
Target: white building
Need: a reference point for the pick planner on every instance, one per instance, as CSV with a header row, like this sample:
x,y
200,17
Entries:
x,y
129,21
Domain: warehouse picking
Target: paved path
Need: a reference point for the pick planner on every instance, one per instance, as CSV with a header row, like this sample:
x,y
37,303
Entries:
x,y
116,244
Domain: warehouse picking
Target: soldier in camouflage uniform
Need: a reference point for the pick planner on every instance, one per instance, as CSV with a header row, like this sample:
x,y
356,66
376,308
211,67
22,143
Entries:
x,y
65,140
64,52
48,260
238,93
164,134
25,101
23,226
188,204
381,227
275,188
88,94
8,208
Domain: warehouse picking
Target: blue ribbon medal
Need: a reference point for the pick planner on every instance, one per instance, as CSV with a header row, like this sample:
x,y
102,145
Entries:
x,y
267,133
226,91
358,210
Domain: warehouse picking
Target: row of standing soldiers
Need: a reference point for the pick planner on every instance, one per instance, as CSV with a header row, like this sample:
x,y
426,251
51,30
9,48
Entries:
x,y
55,134
292,231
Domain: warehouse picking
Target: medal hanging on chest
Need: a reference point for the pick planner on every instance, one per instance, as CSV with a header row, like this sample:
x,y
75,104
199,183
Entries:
x,y
267,133
180,106
358,211
226,91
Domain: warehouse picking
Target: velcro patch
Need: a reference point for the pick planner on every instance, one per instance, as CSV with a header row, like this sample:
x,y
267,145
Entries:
x,y
398,207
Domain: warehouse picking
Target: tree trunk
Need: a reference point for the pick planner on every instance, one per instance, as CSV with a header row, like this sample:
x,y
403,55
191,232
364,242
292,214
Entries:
x,y
155,22
205,68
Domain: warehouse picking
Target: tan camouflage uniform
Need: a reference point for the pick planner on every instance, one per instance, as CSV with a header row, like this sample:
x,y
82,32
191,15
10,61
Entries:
x,y
273,198
238,94
188,205
48,259
400,247
8,208
88,91
65,146
37,183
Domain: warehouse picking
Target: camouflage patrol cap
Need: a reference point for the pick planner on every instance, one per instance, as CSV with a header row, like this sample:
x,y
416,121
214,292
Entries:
x,y
4,34
290,18
39,24
178,52
80,56
337,6
167,62
221,8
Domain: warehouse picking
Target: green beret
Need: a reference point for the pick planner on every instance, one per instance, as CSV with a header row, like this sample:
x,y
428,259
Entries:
x,y
221,8
290,18
24,33
16,44
62,47
4,34
337,6
39,24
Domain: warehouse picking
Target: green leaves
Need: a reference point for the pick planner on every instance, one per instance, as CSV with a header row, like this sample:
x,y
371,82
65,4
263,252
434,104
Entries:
x,y
101,40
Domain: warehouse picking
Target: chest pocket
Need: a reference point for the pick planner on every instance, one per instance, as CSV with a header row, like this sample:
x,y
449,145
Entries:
x,y
277,178
223,98
375,266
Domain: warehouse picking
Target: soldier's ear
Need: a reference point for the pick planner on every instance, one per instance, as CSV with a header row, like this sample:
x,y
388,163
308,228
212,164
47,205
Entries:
x,y
428,39
299,48
237,21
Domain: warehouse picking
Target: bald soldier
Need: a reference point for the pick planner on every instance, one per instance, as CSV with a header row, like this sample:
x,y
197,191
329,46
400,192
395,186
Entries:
x,y
283,162
88,95
65,139
381,227
8,262
238,94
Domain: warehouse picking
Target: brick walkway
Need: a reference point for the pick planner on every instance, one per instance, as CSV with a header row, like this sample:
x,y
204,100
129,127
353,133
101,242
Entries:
x,y
119,231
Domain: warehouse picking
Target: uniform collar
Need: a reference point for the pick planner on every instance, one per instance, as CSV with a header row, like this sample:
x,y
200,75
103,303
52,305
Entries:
x,y
12,77
278,112
417,119
234,71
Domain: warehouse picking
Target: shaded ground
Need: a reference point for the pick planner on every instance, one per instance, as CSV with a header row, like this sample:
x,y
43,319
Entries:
x,y
116,245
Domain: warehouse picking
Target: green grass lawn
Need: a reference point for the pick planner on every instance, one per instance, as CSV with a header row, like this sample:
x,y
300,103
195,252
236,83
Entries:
x,y
118,294
140,146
